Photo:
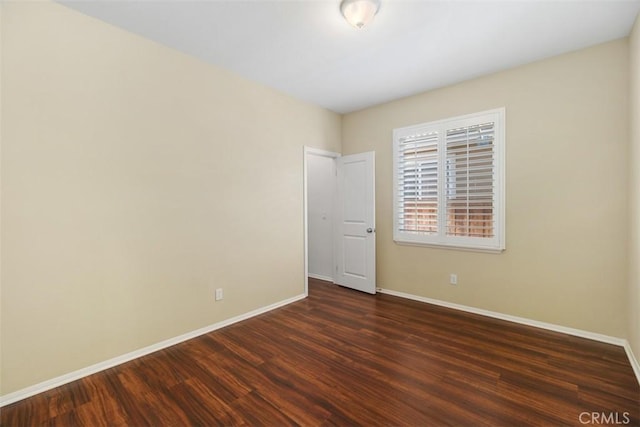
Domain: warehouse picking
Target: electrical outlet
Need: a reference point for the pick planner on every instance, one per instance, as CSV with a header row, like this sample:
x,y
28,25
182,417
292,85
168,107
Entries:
x,y
219,294
453,279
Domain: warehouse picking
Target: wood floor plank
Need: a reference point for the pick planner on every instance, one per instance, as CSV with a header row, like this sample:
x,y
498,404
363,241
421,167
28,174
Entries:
x,y
345,358
102,409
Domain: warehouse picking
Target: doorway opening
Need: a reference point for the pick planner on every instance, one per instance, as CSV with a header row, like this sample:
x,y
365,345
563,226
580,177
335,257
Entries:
x,y
320,199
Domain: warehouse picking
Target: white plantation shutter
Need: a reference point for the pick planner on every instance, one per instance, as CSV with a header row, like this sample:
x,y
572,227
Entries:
x,y
449,182
417,186
470,180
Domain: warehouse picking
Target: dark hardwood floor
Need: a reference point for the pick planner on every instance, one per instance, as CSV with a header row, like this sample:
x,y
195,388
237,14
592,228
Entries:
x,y
345,358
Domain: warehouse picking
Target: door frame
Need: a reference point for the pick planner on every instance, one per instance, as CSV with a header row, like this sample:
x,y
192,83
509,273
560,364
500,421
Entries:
x,y
309,151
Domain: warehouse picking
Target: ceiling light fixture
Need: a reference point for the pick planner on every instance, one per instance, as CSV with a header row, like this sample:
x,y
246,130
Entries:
x,y
359,12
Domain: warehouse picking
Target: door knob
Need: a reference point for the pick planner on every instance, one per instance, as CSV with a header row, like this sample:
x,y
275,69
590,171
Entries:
x,y
369,230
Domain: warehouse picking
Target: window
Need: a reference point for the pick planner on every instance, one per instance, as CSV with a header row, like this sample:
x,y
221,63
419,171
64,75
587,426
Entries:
x,y
448,185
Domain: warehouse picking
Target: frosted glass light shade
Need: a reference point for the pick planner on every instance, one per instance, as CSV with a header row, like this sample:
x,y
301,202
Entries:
x,y
359,12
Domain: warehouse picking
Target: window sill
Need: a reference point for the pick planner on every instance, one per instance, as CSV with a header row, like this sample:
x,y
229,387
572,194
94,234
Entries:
x,y
452,246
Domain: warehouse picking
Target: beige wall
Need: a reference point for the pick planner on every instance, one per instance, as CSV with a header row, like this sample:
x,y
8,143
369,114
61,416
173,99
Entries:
x,y
567,138
135,181
634,199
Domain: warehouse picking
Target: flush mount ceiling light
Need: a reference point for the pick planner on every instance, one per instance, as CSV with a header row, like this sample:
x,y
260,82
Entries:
x,y
359,12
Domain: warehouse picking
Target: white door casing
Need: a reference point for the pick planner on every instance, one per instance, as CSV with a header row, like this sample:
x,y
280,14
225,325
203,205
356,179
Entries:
x,y
355,238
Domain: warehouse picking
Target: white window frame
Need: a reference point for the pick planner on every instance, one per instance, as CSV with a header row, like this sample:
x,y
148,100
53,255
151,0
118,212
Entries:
x,y
495,244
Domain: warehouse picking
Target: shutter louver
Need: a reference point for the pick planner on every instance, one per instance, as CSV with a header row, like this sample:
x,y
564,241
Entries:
x,y
417,181
470,181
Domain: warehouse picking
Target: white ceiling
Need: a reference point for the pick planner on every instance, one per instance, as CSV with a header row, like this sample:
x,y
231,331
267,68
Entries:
x,y
306,49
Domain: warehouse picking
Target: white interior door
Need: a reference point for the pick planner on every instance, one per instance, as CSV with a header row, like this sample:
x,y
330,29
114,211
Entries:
x,y
355,237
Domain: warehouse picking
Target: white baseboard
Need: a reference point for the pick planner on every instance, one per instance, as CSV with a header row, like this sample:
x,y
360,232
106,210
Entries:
x,y
522,320
529,322
321,277
89,370
632,359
